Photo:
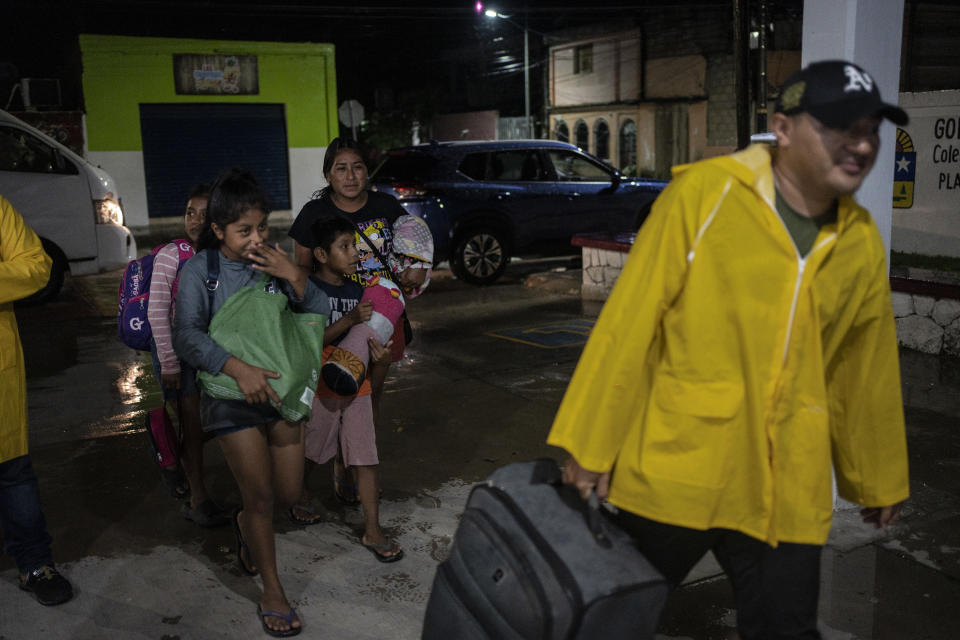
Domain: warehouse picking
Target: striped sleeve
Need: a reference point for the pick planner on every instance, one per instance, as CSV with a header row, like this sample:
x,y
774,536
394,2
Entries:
x,y
160,311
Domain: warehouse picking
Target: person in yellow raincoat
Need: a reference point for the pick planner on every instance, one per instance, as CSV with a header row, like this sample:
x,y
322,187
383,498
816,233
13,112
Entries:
x,y
24,269
749,344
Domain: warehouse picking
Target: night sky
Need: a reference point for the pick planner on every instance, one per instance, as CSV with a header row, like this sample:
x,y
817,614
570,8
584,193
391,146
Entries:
x,y
398,46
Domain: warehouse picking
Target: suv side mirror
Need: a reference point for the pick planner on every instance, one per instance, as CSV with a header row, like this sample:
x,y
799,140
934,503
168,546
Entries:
x,y
614,183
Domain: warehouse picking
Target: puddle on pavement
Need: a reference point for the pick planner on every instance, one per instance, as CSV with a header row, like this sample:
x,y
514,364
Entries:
x,y
82,382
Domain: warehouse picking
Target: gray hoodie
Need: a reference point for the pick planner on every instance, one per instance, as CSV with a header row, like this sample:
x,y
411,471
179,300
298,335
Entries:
x,y
191,341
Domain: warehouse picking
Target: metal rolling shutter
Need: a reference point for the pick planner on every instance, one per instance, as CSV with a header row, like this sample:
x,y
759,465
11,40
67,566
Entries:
x,y
184,144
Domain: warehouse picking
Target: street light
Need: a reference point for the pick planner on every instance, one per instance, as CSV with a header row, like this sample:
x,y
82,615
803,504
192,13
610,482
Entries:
x,y
492,13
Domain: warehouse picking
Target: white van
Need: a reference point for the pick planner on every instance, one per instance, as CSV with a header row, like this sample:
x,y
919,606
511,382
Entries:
x,y
71,204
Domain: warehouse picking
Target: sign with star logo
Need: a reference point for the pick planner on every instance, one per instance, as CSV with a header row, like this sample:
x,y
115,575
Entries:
x,y
904,171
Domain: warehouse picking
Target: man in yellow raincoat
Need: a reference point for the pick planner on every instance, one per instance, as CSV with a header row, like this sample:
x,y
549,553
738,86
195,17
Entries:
x,y
24,268
748,344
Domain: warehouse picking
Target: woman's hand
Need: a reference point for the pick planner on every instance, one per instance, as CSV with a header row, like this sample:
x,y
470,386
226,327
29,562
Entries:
x,y
252,381
380,355
361,313
411,278
276,262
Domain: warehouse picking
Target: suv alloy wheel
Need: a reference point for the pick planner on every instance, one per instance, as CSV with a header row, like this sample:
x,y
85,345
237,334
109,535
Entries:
x,y
480,255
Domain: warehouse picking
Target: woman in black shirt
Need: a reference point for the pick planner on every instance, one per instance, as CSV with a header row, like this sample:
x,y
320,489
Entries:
x,y
373,213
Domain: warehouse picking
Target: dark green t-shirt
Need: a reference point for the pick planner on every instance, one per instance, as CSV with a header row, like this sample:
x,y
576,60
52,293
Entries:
x,y
802,229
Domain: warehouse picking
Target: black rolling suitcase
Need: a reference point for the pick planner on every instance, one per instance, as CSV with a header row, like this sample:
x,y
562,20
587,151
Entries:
x,y
530,560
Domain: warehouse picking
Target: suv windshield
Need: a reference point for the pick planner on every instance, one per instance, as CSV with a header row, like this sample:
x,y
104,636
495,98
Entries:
x,y
405,167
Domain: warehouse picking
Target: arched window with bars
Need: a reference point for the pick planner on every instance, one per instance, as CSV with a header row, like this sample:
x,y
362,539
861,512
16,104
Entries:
x,y
628,147
601,137
581,134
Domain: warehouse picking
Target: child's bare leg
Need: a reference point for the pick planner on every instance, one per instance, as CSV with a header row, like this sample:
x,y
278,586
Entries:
x,y
308,467
378,378
286,451
249,455
368,488
192,454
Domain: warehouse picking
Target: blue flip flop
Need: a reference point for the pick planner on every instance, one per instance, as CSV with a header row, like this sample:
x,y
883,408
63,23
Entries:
x,y
289,617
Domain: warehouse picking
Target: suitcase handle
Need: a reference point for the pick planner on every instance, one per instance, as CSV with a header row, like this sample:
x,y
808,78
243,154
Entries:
x,y
546,471
592,512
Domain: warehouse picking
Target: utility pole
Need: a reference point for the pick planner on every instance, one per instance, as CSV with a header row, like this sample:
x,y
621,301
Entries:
x,y
526,79
741,71
762,75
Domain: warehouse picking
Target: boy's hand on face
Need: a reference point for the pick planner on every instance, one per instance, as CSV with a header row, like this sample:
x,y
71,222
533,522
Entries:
x,y
361,313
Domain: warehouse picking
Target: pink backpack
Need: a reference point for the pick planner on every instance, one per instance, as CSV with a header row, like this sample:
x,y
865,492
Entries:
x,y
163,438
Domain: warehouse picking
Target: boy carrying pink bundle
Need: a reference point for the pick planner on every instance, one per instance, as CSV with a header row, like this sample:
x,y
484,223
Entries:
x,y
345,369
341,420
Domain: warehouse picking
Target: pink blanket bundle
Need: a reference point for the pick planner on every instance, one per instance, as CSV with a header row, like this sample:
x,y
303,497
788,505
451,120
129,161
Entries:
x,y
344,370
412,247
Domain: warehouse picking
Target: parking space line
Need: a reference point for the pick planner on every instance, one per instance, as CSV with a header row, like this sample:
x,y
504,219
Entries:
x,y
571,333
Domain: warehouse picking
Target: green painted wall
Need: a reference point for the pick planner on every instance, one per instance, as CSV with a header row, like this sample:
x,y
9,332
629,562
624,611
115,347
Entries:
x,y
121,72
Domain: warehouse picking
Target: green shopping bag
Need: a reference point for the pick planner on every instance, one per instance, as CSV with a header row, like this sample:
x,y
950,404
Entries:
x,y
259,328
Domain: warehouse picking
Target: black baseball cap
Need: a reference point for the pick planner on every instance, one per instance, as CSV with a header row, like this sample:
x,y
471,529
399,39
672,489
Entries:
x,y
837,93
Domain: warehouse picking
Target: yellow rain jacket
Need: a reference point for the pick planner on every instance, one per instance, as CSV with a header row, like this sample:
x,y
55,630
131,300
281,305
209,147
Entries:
x,y
725,371
24,269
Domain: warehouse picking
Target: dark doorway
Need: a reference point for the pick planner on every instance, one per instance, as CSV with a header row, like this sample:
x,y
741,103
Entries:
x,y
184,144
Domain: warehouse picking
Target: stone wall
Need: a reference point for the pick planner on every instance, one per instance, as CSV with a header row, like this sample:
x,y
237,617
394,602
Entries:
x,y
927,324
601,267
924,323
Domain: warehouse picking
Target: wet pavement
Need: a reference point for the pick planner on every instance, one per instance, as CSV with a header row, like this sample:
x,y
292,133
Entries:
x,y
477,390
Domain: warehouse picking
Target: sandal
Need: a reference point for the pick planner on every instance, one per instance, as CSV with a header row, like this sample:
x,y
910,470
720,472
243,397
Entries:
x,y
313,516
207,514
289,617
378,550
176,482
243,551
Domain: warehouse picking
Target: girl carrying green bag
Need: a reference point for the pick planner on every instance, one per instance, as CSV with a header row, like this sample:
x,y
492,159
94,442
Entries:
x,y
287,342
233,322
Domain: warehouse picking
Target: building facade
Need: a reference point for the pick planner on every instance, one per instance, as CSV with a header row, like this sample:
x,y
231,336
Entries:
x,y
655,95
163,114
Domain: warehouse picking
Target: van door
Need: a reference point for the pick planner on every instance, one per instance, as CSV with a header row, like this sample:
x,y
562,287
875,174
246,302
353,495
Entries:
x,y
49,191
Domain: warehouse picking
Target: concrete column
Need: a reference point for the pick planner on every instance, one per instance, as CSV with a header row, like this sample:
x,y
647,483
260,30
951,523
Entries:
x,y
867,32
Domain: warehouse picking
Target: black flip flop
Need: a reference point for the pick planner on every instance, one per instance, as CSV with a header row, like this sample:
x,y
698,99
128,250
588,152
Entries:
x,y
242,548
376,550
313,518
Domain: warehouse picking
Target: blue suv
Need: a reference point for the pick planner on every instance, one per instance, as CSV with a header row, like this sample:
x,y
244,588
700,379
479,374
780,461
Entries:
x,y
485,200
